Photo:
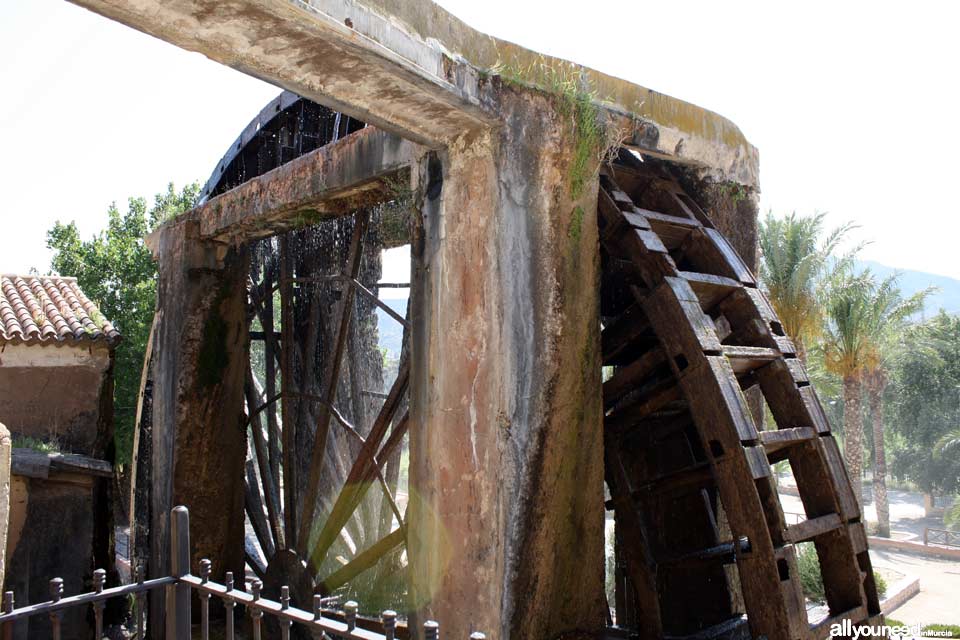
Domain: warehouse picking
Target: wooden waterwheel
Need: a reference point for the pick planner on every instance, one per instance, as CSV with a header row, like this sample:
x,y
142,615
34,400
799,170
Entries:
x,y
700,533
325,433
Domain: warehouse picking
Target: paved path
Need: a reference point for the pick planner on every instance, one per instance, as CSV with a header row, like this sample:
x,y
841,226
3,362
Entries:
x,y
939,597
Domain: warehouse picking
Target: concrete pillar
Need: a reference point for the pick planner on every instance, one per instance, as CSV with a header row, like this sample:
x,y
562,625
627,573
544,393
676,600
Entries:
x,y
506,465
199,434
6,446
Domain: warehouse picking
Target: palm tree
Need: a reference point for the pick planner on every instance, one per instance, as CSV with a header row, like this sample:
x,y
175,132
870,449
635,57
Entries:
x,y
947,443
846,350
888,311
793,264
863,319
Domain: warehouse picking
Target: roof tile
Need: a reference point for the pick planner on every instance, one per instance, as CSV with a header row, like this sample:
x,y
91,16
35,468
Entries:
x,y
50,309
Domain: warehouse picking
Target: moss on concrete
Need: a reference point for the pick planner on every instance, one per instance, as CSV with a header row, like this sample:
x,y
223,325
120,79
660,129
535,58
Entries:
x,y
213,358
575,228
576,102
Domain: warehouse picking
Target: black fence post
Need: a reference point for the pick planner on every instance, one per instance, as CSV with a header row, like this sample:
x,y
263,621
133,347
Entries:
x,y
178,594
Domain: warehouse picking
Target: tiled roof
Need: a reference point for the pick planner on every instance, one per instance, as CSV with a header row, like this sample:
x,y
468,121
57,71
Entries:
x,y
50,309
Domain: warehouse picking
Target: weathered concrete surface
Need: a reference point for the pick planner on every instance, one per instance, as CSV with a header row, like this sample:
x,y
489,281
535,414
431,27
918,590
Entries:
x,y
6,446
332,181
506,468
199,430
55,394
61,395
410,67
51,536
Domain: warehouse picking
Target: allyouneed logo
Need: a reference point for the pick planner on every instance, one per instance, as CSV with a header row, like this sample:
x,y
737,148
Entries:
x,y
849,630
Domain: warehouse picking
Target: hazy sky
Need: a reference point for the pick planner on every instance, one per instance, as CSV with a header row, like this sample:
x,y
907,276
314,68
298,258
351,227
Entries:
x,y
852,105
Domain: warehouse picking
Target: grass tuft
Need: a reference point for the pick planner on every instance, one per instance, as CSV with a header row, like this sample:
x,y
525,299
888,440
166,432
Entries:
x,y
576,102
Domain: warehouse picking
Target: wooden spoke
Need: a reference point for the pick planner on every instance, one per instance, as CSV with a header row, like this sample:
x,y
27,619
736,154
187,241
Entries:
x,y
362,561
358,480
270,491
289,436
333,379
255,511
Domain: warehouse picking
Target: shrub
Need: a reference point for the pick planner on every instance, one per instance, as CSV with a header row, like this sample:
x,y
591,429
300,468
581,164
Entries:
x,y
811,580
881,584
808,564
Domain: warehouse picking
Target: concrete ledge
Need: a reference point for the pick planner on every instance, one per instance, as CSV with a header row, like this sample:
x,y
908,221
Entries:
x,y
913,547
901,591
37,464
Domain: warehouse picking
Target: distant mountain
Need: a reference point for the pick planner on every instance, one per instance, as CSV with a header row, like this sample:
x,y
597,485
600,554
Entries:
x,y
947,297
391,331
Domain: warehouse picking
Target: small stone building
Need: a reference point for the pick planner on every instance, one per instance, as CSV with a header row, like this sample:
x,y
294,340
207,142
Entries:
x,y
56,398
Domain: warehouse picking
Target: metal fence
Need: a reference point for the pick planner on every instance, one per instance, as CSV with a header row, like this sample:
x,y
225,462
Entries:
x,y
941,537
179,586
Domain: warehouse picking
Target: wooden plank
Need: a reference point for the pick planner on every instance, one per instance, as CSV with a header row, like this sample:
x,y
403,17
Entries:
x,y
757,461
703,253
731,257
791,592
650,241
643,405
640,564
674,312
848,506
673,231
746,359
711,290
791,406
618,336
842,580
660,221
753,321
691,208
723,553
729,407
636,219
810,529
774,440
821,630
858,537
631,376
686,480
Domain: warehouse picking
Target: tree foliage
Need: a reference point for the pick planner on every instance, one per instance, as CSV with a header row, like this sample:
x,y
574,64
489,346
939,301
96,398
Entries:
x,y
926,404
116,271
795,259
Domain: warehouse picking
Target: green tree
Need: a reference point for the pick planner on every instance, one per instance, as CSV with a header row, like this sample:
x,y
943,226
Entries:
x,y
887,315
795,259
847,347
926,404
116,271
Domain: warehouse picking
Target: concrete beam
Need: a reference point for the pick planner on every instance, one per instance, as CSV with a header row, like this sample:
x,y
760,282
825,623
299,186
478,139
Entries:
x,y
399,84
412,68
333,180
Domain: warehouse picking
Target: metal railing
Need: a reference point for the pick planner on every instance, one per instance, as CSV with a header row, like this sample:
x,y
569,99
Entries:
x,y
941,537
791,518
179,586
